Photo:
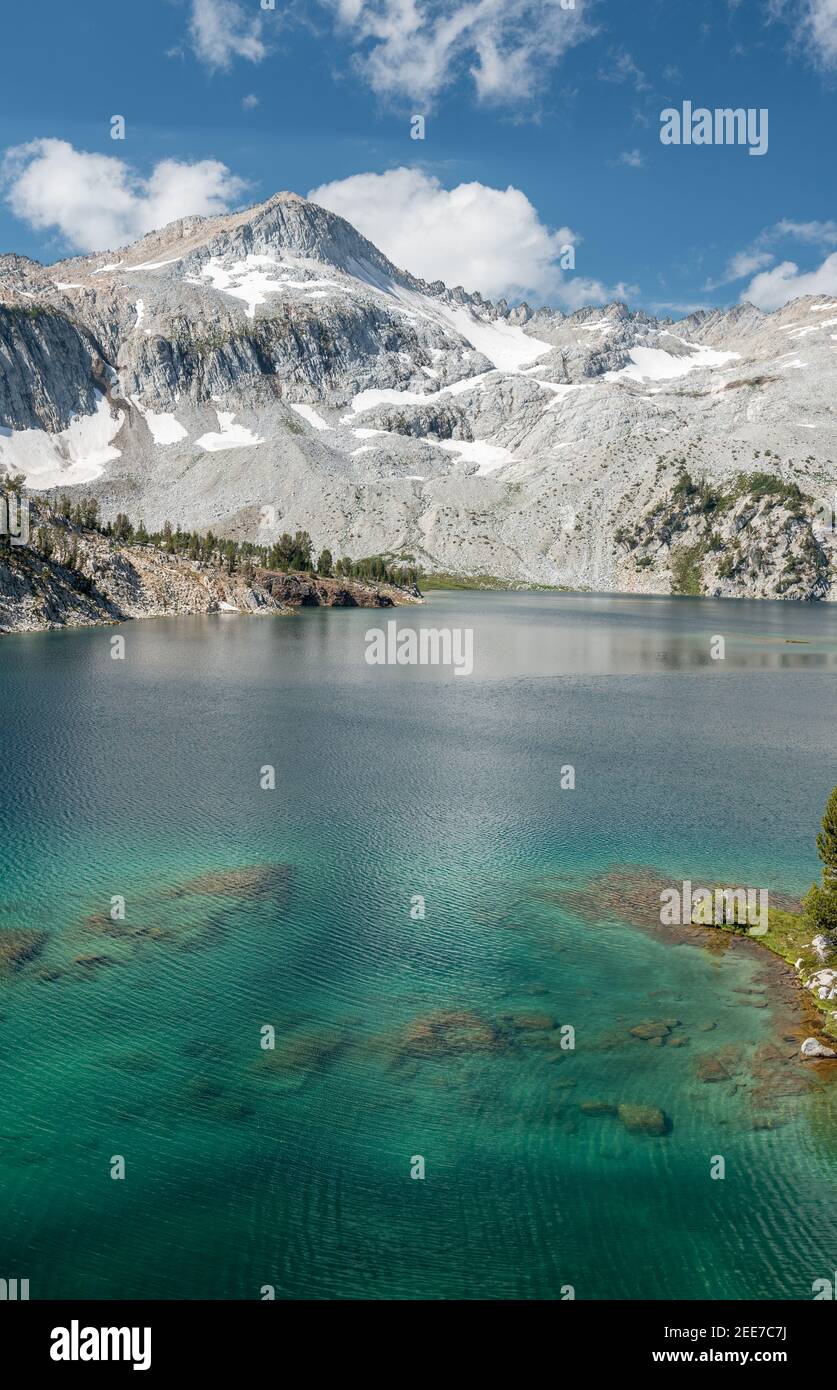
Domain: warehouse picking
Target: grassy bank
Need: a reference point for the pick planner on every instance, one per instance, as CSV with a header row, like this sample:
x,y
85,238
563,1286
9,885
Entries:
x,y
789,935
489,582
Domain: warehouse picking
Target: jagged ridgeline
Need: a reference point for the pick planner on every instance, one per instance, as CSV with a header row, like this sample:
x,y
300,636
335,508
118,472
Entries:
x,y
270,371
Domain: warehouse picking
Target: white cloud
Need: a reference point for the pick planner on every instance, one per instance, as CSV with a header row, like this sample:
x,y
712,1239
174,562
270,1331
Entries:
x,y
633,159
622,68
818,233
741,264
815,26
757,257
819,27
97,201
415,48
784,282
250,102
221,30
487,239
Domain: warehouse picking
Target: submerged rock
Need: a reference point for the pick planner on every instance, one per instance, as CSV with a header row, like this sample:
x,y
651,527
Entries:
x,y
652,1029
597,1107
92,962
304,1053
18,946
527,1023
247,881
712,1069
643,1119
449,1031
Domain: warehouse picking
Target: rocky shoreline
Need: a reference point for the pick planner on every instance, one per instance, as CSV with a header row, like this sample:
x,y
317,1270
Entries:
x,y
82,578
318,591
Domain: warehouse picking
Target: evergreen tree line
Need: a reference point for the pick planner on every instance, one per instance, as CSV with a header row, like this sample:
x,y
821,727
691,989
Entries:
x,y
291,553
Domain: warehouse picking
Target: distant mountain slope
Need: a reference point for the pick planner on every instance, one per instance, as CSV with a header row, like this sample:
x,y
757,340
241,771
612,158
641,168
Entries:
x,y
271,369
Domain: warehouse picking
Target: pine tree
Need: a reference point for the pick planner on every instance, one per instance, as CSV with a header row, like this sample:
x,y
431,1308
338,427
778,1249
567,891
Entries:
x,y
325,563
821,903
827,844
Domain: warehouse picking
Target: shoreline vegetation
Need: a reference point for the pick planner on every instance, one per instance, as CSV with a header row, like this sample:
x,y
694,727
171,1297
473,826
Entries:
x,y
289,554
491,583
789,937
802,934
807,940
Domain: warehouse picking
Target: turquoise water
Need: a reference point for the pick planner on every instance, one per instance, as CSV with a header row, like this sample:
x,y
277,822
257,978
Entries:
x,y
398,1036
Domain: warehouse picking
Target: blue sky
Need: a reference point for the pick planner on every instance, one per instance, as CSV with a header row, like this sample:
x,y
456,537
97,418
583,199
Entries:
x,y
561,104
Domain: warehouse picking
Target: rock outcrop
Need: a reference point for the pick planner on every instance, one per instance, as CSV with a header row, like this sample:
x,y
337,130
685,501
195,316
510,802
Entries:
x,y
812,1047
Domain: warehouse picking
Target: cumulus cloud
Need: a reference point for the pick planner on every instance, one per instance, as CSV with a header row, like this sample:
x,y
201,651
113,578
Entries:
x,y
96,201
773,288
222,30
775,284
412,49
487,239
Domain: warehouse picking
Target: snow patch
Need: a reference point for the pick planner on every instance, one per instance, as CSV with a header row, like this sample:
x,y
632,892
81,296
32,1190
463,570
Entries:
x,y
504,344
165,428
560,391
489,457
308,413
77,454
229,435
365,400
154,265
251,281
655,364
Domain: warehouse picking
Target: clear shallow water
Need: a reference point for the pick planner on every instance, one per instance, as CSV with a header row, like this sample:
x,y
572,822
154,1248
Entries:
x,y
247,1168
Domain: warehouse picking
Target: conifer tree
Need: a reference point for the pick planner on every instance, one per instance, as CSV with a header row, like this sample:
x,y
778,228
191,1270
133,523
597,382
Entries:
x,y
820,903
